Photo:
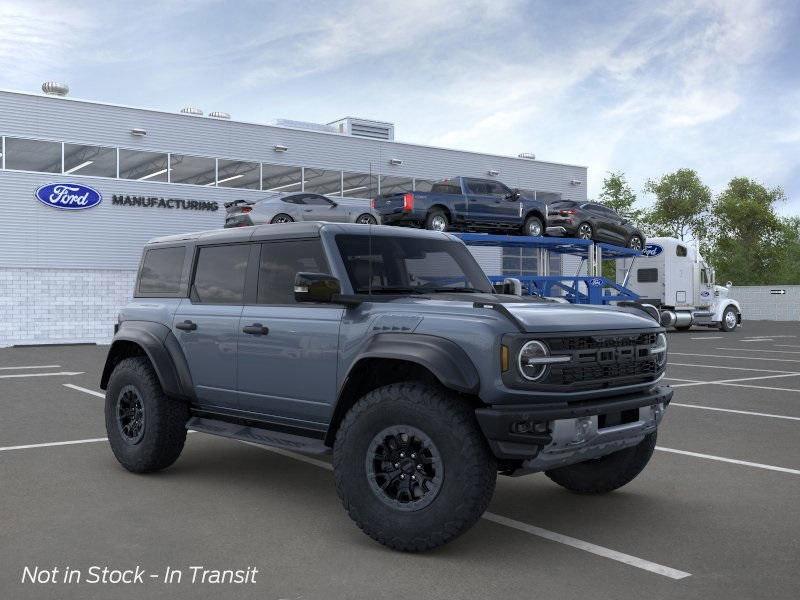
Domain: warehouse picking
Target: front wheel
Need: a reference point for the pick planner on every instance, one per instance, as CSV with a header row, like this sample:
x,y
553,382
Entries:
x,y
606,473
411,466
729,319
533,227
146,429
367,219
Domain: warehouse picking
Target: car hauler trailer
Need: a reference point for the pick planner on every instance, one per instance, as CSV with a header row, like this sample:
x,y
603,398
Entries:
x,y
672,276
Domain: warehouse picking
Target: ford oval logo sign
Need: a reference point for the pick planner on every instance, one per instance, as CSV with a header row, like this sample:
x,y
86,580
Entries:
x,y
68,196
652,250
595,282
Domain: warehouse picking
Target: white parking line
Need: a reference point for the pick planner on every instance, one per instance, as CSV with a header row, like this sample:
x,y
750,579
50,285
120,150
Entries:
x,y
707,337
738,412
759,350
17,375
691,382
787,346
587,547
49,444
85,390
31,367
756,340
762,387
672,364
520,526
730,460
747,358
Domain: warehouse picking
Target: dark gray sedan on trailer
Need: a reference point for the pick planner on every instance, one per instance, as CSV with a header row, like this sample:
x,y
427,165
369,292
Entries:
x,y
299,206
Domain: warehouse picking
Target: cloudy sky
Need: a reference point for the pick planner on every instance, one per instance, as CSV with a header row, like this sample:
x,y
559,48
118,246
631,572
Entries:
x,y
642,87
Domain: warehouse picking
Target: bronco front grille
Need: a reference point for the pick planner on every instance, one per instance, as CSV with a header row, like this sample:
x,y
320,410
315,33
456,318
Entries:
x,y
601,373
594,342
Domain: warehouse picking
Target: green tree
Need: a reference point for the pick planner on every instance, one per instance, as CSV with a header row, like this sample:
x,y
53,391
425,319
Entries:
x,y
751,244
618,195
681,206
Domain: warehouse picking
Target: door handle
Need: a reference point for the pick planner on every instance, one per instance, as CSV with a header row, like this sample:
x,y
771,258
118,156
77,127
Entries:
x,y
307,209
187,325
255,329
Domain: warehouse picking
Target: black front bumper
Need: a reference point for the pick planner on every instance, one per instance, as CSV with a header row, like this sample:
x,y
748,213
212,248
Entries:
x,y
496,421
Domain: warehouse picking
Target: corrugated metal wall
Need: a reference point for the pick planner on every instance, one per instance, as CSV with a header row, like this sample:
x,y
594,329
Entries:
x,y
760,303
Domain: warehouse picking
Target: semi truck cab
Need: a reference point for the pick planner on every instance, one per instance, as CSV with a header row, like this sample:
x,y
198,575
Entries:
x,y
673,276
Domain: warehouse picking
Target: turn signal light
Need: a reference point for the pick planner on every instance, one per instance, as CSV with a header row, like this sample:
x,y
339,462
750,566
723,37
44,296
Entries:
x,y
408,202
504,358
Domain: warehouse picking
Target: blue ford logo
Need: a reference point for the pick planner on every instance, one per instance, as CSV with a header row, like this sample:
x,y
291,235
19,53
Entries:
x,y
652,250
596,282
68,196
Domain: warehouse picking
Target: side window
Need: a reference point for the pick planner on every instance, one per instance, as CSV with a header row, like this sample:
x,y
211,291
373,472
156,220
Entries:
x,y
497,189
703,276
299,199
219,276
315,200
446,187
647,275
680,251
477,187
161,271
281,261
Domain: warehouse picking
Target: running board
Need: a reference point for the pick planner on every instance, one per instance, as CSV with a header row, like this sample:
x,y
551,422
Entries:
x,y
258,435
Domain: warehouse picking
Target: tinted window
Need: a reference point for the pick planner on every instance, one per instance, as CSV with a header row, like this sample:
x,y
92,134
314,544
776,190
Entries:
x,y
680,251
280,262
33,155
478,187
90,160
647,275
299,199
317,200
196,170
446,187
161,271
144,166
219,278
497,189
410,264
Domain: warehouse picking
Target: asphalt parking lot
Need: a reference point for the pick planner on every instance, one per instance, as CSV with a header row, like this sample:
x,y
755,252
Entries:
x,y
715,514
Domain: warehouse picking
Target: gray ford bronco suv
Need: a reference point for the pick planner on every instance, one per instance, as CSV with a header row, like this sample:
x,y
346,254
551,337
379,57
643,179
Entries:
x,y
390,349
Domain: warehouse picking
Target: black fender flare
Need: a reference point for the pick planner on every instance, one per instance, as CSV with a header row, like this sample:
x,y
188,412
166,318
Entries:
x,y
162,349
444,358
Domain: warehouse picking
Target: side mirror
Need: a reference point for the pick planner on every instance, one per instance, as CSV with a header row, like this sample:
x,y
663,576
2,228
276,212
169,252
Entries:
x,y
315,287
334,204
514,195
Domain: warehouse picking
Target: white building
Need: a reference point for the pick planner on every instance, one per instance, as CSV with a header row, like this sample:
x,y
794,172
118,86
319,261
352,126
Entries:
x,y
65,273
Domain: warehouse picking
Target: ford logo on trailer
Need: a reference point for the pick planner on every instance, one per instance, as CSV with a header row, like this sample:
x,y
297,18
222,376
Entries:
x,y
652,250
68,196
595,282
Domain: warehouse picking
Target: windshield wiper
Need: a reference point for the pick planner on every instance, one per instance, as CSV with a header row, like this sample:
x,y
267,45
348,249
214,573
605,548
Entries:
x,y
378,289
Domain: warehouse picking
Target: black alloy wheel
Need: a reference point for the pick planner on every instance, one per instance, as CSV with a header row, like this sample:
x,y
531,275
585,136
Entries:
x,y
366,219
404,468
130,414
585,231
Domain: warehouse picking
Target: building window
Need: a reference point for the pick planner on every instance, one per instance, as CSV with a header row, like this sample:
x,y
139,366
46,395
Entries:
x,y
143,166
423,185
396,185
219,278
90,160
195,170
359,185
520,262
279,178
321,181
33,155
238,174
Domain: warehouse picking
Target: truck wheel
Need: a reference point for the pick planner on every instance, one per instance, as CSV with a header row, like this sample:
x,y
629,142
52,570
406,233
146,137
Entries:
x,y
729,319
146,430
436,220
607,473
533,227
412,467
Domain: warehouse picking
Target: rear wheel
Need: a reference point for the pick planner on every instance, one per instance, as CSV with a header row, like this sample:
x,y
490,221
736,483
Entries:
x,y
729,319
607,473
533,227
635,242
412,467
437,220
585,231
282,218
146,429
367,219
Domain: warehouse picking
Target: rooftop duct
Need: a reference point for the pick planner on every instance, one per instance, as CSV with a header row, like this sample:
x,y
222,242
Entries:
x,y
527,155
219,115
376,130
191,110
53,88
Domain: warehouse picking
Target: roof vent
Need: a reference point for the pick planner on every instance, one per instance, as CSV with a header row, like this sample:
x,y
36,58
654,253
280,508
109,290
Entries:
x,y
219,115
53,88
376,130
192,110
303,125
527,155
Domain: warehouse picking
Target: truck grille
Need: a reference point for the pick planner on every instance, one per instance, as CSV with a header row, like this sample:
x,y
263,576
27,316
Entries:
x,y
594,342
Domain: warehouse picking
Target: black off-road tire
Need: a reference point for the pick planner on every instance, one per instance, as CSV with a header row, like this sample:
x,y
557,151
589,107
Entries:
x,y
164,430
469,468
607,473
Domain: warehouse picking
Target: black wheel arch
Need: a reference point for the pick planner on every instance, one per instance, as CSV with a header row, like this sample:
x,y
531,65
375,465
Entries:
x,y
442,207
156,342
535,212
393,357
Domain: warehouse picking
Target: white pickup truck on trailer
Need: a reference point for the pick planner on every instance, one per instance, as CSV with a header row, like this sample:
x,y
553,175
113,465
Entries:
x,y
673,277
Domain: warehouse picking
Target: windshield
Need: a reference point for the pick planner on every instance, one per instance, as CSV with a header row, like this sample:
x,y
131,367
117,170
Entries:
x,y
383,264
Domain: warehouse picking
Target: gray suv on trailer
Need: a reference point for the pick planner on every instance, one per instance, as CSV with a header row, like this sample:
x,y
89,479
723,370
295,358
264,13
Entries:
x,y
390,349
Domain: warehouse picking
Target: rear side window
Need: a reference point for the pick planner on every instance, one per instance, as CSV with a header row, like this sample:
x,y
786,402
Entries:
x,y
161,271
281,261
219,277
647,275
446,187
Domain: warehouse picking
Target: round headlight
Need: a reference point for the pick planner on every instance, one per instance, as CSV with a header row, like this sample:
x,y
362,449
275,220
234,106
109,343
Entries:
x,y
660,349
530,358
